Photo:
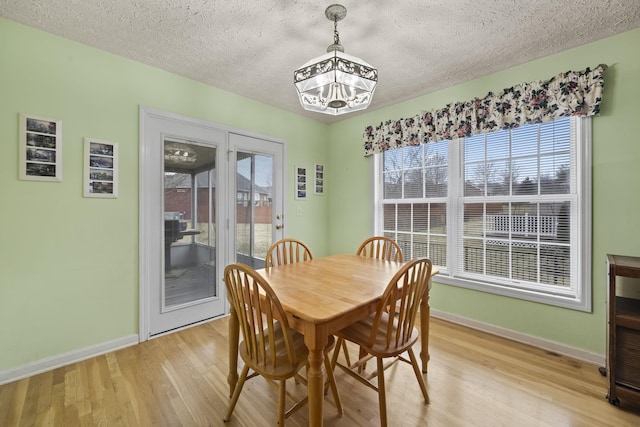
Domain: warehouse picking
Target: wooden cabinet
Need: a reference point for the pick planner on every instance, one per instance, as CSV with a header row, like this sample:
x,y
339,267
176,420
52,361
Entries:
x,y
623,347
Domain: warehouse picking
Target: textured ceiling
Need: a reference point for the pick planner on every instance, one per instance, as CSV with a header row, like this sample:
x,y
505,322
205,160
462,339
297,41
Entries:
x,y
251,47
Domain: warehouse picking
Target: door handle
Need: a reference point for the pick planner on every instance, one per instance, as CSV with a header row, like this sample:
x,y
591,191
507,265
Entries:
x,y
279,226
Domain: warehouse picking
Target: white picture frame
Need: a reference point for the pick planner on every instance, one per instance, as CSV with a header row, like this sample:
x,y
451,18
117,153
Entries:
x,y
100,168
318,179
40,148
301,182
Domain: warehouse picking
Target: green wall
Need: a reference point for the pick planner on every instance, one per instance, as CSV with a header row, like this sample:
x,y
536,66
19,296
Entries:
x,y
616,174
69,265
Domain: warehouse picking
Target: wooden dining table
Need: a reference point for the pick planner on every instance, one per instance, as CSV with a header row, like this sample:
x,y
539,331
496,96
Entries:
x,y
322,296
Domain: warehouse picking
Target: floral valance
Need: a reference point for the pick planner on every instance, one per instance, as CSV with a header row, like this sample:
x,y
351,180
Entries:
x,y
574,93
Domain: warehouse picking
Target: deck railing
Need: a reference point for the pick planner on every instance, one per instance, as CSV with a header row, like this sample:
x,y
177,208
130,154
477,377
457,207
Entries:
x,y
522,225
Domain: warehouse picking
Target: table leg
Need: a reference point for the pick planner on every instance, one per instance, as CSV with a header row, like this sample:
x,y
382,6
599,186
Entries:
x,y
234,337
315,379
425,312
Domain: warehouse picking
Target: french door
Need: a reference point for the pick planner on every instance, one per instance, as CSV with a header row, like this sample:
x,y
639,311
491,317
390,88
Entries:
x,y
208,197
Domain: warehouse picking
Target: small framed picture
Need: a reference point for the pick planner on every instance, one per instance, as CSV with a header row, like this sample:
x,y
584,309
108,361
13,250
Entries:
x,y
40,148
301,183
319,179
100,168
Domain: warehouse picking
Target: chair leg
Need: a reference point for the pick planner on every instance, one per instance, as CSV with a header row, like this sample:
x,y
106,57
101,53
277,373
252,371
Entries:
x,y
332,384
282,396
336,352
346,352
416,370
236,392
361,354
382,394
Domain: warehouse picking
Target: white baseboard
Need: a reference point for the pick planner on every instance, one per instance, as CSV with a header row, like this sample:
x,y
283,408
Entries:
x,y
576,353
54,362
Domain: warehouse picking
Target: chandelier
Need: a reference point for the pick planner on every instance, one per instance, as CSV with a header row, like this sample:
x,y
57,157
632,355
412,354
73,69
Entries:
x,y
335,83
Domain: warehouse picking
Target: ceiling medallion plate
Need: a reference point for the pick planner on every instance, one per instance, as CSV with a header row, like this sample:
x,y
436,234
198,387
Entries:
x,y
335,12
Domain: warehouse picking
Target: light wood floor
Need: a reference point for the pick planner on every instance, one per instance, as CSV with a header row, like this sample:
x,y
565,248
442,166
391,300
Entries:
x,y
474,379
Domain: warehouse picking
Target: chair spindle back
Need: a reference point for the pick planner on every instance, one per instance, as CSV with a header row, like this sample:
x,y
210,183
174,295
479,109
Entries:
x,y
258,310
287,251
381,248
404,292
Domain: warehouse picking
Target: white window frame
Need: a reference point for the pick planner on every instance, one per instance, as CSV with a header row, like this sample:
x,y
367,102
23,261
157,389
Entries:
x,y
579,296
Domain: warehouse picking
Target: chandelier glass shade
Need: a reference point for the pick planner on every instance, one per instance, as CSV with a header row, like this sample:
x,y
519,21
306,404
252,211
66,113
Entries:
x,y
335,83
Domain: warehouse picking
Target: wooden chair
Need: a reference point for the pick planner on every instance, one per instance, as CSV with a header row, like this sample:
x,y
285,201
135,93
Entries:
x,y
382,248
287,251
269,347
376,247
386,334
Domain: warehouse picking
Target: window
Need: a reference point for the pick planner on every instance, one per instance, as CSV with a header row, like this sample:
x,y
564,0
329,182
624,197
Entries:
x,y
506,212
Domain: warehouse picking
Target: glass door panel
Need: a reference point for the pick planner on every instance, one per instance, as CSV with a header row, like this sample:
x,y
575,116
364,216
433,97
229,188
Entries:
x,y
189,224
254,207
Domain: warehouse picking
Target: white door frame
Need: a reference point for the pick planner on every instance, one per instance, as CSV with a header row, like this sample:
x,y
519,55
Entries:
x,y
147,254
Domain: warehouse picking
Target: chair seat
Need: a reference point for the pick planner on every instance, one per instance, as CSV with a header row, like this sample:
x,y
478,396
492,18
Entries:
x,y
360,333
283,368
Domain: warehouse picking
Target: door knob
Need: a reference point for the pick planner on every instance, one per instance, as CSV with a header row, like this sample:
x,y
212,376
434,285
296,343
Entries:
x,y
279,226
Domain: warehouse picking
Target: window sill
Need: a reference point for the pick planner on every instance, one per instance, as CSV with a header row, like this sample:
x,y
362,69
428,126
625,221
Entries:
x,y
558,300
